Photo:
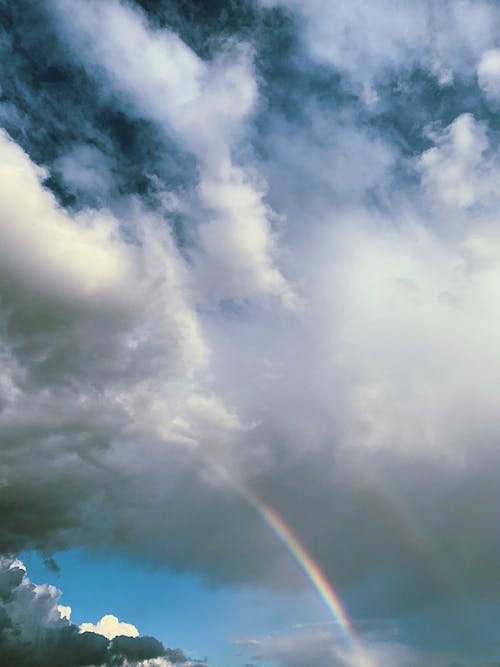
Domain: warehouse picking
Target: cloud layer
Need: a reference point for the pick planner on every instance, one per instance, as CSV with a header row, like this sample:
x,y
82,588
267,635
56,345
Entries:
x,y
270,255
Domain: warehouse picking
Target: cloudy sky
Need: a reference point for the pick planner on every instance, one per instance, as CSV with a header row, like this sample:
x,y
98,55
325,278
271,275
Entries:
x,y
249,333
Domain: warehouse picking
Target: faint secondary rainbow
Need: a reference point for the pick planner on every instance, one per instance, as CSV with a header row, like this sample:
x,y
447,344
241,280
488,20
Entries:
x,y
411,529
298,552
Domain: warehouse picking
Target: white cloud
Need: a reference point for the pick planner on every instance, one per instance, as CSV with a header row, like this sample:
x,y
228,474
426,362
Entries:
x,y
365,41
204,105
456,173
64,611
81,258
86,169
238,240
110,627
488,74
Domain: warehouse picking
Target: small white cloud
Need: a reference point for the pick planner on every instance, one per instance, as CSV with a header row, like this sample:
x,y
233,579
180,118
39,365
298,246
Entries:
x,y
456,174
86,169
109,626
488,74
64,611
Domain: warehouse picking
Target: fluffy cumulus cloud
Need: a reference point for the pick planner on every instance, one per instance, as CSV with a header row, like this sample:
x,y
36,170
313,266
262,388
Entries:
x,y
488,73
109,626
455,172
252,245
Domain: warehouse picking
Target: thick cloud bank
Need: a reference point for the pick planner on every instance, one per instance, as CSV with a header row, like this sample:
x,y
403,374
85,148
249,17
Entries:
x,y
253,244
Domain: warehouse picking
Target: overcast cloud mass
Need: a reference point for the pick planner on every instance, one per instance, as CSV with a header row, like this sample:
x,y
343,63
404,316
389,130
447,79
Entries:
x,y
258,241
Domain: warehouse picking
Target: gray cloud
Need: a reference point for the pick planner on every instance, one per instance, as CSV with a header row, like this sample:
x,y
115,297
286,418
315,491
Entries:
x,y
321,646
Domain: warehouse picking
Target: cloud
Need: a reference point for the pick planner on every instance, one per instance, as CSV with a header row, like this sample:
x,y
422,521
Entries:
x,y
309,646
100,339
366,43
92,263
147,357
86,170
205,106
128,337
456,172
36,631
109,626
488,74
384,419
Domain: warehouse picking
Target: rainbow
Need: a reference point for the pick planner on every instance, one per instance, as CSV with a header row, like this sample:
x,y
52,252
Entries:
x,y
298,552
306,563
410,528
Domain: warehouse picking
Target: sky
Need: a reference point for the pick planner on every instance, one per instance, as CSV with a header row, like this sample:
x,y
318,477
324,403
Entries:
x,y
249,325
